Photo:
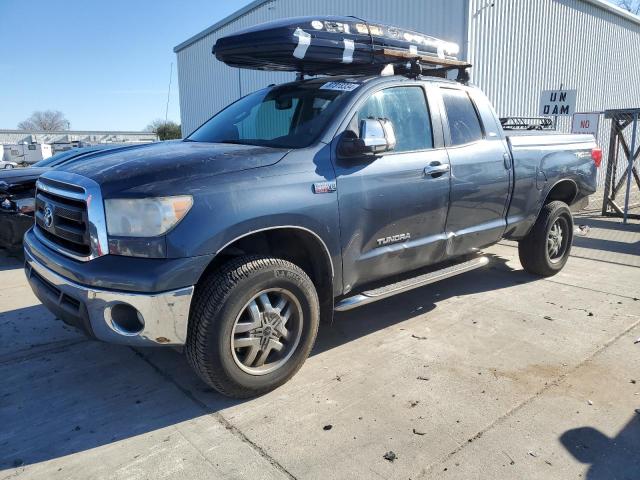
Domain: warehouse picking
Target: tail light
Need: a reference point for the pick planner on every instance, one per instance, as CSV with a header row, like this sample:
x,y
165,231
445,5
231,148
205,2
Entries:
x,y
596,155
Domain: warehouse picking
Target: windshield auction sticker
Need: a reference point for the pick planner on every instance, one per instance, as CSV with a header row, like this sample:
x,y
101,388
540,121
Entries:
x,y
340,86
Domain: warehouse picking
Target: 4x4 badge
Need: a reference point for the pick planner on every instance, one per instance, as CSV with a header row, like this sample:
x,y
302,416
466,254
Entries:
x,y
324,187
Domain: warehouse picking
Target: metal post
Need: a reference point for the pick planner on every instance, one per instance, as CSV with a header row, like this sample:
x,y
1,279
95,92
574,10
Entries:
x,y
630,170
613,146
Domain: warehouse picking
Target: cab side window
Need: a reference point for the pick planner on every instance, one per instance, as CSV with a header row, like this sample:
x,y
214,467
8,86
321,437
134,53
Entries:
x,y
464,123
406,108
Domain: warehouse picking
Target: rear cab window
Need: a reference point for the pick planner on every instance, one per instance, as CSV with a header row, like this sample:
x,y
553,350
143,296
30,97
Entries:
x,y
462,116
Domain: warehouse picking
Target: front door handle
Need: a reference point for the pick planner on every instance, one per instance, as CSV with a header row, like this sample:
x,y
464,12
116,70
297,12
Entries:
x,y
436,169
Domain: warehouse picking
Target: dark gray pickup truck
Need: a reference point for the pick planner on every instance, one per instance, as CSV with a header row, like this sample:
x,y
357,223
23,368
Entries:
x,y
295,201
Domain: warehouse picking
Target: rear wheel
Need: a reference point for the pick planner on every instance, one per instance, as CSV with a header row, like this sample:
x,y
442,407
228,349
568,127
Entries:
x,y
252,325
546,248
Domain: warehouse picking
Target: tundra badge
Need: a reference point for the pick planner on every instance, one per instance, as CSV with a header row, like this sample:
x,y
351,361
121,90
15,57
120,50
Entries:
x,y
402,237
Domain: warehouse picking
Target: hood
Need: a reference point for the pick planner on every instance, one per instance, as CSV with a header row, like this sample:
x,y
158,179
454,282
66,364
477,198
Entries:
x,y
157,167
17,179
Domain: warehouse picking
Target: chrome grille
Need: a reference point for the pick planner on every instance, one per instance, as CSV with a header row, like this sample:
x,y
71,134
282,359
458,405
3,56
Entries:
x,y
69,215
63,221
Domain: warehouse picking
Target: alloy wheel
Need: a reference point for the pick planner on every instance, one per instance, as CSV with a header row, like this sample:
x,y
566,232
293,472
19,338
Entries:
x,y
557,240
267,331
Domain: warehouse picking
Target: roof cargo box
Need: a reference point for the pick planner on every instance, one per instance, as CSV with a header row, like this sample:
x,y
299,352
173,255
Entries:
x,y
331,46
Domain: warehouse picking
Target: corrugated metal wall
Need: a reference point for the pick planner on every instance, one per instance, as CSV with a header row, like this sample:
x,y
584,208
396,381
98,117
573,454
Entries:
x,y
519,48
207,85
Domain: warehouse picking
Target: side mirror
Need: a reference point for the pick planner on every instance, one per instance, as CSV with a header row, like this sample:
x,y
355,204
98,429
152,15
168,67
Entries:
x,y
376,136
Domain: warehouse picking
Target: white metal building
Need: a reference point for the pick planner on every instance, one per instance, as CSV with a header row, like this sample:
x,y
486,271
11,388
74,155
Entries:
x,y
63,137
518,48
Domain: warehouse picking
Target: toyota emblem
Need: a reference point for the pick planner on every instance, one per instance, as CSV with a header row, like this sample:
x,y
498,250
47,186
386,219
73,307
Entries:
x,y
48,217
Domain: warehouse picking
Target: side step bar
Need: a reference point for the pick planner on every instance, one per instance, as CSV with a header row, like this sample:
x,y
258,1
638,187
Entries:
x,y
371,296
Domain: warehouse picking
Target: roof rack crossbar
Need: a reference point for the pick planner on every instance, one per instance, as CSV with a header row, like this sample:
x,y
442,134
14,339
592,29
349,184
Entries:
x,y
443,62
436,66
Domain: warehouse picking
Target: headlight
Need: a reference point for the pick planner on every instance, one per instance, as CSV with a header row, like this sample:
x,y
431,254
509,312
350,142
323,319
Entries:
x,y
145,217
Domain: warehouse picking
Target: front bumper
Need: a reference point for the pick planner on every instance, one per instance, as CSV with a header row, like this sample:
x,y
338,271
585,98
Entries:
x,y
163,316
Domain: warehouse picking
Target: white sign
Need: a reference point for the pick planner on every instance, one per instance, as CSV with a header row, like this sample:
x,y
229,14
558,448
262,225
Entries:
x,y
558,102
586,123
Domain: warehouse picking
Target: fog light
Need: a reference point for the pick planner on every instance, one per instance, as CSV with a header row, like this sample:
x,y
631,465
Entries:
x,y
125,319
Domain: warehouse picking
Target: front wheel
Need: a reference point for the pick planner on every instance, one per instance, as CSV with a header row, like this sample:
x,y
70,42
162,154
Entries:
x,y
252,325
545,250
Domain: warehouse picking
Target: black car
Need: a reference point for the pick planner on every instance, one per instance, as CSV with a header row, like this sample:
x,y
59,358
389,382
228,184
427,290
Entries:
x,y
17,191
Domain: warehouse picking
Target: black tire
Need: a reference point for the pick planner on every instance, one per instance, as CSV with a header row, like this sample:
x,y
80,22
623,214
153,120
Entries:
x,y
533,249
220,300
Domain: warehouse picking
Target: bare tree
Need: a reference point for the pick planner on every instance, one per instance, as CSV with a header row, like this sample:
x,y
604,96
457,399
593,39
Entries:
x,y
48,120
631,5
165,130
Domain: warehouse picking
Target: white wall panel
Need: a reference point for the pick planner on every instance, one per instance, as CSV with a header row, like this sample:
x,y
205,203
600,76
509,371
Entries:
x,y
519,48
207,85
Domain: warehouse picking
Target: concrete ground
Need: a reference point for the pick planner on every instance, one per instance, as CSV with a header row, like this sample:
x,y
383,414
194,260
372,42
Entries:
x,y
494,374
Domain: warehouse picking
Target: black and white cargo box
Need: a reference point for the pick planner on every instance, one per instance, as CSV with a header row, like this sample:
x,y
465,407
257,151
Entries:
x,y
333,46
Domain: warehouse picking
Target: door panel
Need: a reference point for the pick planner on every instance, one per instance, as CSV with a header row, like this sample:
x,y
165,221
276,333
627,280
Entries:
x,y
479,192
386,197
480,177
392,212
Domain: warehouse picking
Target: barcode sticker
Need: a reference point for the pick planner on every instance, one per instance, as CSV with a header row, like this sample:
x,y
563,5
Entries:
x,y
340,86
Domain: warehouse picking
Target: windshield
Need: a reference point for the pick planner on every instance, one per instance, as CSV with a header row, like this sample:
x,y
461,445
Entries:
x,y
288,116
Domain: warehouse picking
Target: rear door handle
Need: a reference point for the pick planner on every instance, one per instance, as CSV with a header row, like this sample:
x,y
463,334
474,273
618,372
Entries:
x,y
436,170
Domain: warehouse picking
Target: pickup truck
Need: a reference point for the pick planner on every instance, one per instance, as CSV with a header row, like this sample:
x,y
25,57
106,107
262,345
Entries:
x,y
296,201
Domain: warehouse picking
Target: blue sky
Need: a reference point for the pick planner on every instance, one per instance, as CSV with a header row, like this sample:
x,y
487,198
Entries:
x,y
104,64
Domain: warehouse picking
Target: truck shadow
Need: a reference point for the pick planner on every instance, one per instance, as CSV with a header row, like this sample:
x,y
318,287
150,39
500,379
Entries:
x,y
612,224
367,319
69,397
617,457
609,235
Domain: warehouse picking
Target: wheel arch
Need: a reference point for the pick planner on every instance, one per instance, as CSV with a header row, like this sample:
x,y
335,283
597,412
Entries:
x,y
565,190
297,244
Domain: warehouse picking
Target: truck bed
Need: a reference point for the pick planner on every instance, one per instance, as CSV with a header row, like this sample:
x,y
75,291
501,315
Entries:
x,y
541,159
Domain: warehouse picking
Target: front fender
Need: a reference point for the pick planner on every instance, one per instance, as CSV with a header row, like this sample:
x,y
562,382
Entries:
x,y
282,195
